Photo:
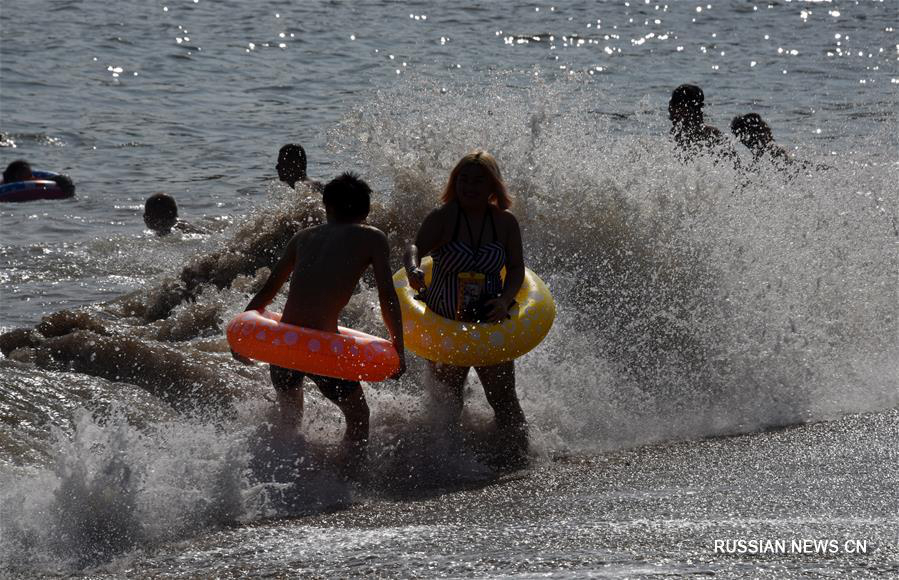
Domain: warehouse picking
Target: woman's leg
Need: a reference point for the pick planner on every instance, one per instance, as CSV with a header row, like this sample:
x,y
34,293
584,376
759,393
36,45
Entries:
x,y
448,383
499,387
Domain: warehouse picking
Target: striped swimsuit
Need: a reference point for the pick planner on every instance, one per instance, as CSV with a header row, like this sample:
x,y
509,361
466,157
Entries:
x,y
456,257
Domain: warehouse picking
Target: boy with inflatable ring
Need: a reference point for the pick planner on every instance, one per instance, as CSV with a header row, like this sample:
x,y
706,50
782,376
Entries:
x,y
20,170
324,264
471,237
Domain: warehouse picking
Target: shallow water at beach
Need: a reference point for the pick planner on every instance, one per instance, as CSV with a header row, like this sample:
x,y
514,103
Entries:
x,y
700,309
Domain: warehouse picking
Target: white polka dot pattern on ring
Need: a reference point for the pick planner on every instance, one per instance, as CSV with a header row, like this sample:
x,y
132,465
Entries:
x,y
474,344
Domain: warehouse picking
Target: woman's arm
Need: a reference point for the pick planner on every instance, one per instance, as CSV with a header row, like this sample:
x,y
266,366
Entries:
x,y
498,308
429,237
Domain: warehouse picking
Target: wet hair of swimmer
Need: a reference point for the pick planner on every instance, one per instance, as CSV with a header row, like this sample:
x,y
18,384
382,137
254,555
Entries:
x,y
19,170
160,212
347,197
291,163
686,101
751,130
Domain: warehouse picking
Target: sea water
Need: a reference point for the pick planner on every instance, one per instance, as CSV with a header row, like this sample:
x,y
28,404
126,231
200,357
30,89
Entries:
x,y
695,301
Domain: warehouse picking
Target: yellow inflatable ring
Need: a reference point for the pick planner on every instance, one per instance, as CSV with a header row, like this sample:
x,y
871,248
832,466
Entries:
x,y
349,354
474,344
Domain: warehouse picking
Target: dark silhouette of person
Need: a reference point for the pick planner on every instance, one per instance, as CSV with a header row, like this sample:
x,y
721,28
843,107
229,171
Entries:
x,y
20,170
688,127
292,167
756,135
161,216
475,199
324,264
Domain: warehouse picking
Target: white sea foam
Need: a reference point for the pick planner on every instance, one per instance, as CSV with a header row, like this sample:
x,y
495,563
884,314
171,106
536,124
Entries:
x,y
693,301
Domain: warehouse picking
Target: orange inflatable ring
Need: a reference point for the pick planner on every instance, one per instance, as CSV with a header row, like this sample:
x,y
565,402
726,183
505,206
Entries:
x,y
348,354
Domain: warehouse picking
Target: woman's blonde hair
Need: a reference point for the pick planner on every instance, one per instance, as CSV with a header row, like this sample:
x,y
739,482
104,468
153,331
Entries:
x,y
500,197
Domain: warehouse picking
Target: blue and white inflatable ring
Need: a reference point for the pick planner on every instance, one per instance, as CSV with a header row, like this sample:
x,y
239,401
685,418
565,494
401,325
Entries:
x,y
41,187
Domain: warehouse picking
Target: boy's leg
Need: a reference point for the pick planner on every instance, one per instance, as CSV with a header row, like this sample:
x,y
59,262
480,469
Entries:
x,y
288,385
348,396
499,387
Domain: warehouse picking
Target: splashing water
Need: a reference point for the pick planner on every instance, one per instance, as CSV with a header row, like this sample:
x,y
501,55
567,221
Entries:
x,y
694,300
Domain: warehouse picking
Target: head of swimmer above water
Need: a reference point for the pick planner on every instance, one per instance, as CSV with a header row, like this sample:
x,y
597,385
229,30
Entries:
x,y
752,131
19,170
685,106
291,164
161,213
347,199
476,182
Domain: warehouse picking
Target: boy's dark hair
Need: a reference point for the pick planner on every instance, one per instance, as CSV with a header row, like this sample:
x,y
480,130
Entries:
x,y
18,170
294,153
348,196
751,129
687,94
685,99
161,205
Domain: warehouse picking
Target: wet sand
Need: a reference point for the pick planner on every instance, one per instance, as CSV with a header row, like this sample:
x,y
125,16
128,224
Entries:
x,y
651,511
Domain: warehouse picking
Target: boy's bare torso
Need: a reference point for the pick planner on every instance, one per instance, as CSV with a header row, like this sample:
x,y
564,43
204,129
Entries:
x,y
330,259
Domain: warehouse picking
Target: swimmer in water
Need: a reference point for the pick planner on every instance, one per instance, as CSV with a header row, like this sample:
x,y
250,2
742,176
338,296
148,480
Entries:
x,y
161,216
20,170
292,167
756,135
324,264
688,128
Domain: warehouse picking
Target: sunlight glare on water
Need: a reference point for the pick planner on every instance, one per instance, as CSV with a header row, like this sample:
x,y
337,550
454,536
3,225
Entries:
x,y
695,300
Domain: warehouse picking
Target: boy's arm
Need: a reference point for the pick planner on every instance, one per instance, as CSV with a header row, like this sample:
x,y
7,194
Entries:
x,y
390,304
276,279
189,228
267,293
65,183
